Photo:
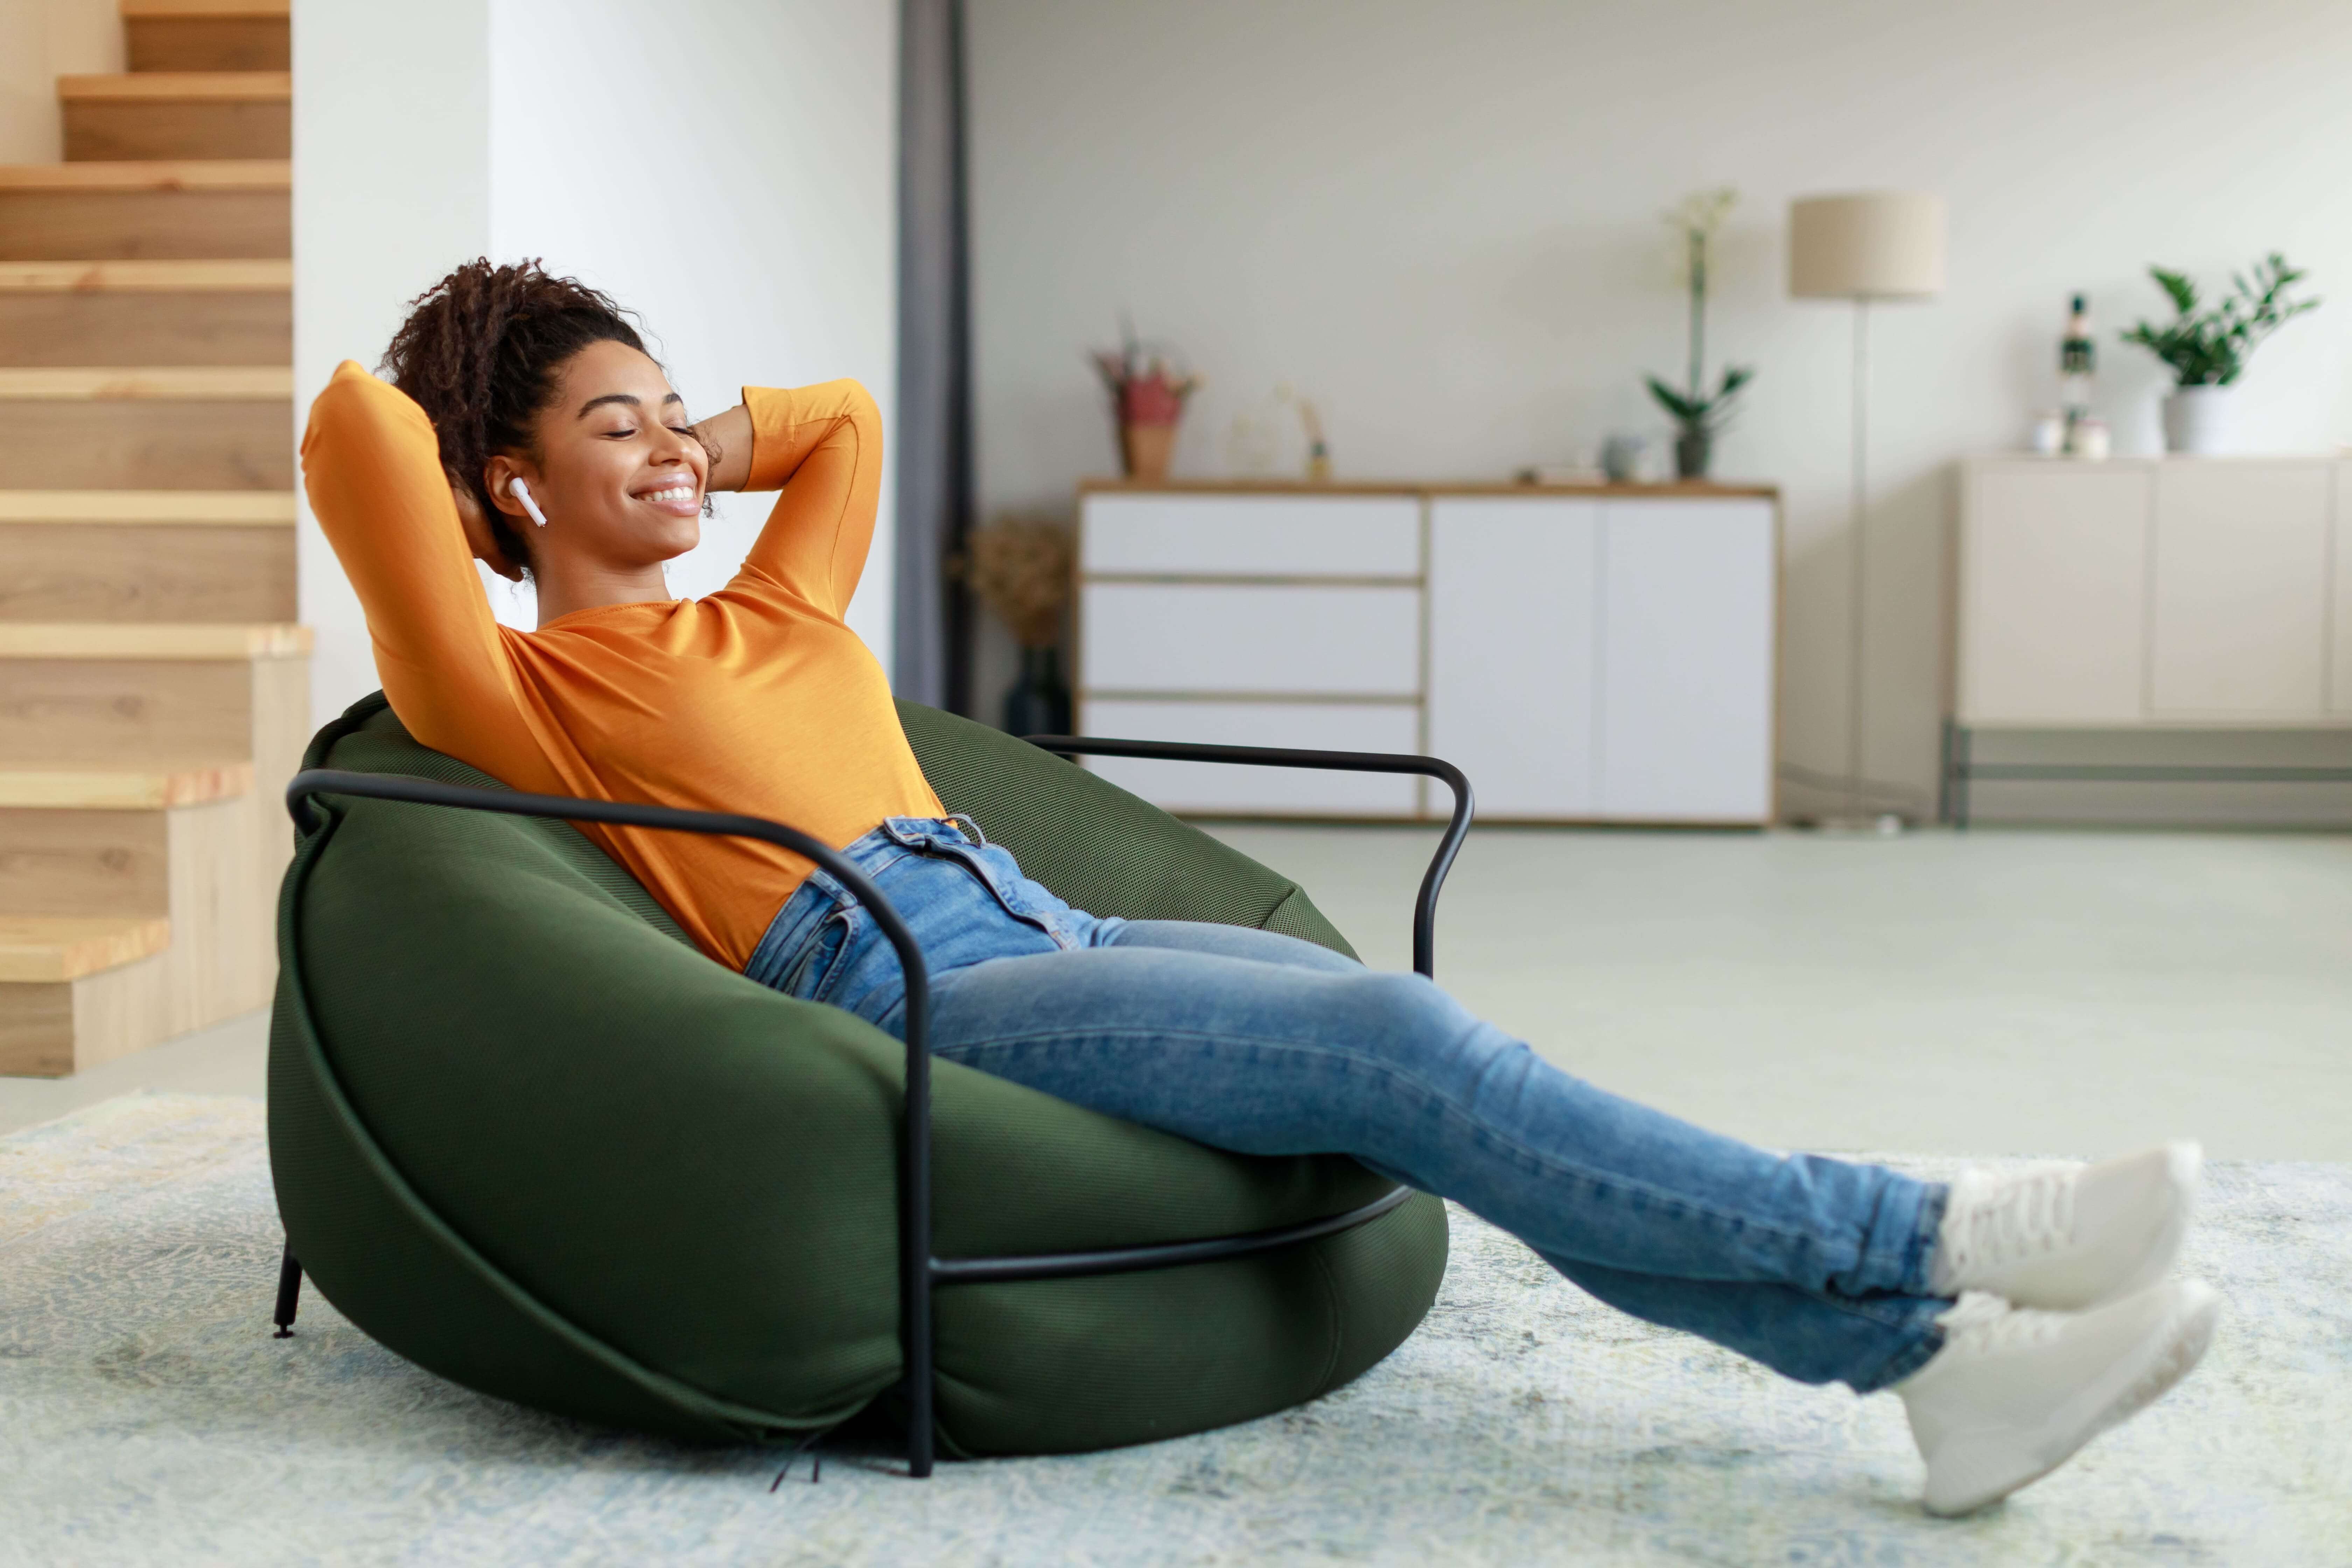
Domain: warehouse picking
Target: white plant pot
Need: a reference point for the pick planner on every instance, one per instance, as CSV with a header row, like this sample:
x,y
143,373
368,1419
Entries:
x,y
2196,420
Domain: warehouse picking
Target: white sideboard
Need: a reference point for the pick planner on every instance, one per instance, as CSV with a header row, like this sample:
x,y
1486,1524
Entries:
x,y
1603,654
2192,592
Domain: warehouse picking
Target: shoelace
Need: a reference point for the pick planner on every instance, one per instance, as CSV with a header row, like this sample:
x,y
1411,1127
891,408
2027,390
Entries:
x,y
1998,1220
1981,1322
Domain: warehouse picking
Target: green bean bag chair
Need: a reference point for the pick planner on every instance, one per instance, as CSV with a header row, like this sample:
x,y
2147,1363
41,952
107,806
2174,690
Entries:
x,y
527,1136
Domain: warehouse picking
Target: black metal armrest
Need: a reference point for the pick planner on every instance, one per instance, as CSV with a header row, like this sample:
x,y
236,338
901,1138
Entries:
x,y
1432,881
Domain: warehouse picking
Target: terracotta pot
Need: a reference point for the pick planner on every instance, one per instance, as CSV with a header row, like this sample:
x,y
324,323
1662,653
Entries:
x,y
1146,449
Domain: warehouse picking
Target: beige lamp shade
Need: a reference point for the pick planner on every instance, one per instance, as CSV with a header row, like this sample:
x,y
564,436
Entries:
x,y
1876,245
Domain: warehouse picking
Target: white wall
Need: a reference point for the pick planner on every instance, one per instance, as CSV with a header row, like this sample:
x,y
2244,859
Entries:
x,y
728,170
41,40
1441,221
725,168
392,185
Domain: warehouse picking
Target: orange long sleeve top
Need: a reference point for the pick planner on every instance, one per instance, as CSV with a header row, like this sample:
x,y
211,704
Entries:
x,y
756,699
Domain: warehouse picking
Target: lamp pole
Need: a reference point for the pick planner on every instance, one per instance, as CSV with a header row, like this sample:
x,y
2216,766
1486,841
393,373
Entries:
x,y
1862,247
1858,561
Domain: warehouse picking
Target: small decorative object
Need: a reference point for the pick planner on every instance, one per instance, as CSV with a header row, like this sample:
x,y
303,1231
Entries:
x,y
1319,452
2208,348
1622,458
1147,401
2049,433
1020,568
1698,415
2078,355
1560,474
2090,440
1250,446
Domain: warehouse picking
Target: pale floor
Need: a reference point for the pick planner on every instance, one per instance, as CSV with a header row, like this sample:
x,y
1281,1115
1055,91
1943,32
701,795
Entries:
x,y
2003,991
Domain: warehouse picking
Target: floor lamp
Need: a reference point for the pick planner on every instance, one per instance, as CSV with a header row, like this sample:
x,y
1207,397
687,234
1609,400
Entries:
x,y
1878,245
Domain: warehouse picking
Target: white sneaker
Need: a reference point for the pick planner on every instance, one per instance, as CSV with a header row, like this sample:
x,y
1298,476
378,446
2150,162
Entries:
x,y
2015,1392
2068,1237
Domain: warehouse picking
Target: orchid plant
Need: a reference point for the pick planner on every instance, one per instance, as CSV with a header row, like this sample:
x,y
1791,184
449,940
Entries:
x,y
1697,413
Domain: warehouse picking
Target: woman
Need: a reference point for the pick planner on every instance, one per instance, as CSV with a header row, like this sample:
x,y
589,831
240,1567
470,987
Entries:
x,y
526,425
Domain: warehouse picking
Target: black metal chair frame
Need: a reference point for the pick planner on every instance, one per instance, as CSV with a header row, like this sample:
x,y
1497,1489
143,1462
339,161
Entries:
x,y
919,1271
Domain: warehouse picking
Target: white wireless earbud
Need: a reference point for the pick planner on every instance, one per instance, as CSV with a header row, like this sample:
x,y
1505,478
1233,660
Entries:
x,y
521,492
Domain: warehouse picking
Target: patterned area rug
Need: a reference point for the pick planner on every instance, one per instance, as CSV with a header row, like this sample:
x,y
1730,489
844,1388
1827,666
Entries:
x,y
146,1416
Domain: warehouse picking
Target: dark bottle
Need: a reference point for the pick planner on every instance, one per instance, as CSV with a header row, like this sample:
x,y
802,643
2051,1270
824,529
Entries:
x,y
2077,358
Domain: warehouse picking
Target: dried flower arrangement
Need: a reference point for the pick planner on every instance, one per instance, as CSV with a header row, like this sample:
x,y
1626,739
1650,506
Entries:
x,y
1020,568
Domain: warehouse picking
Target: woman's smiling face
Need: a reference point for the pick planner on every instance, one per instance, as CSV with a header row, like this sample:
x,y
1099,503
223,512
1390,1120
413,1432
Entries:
x,y
616,471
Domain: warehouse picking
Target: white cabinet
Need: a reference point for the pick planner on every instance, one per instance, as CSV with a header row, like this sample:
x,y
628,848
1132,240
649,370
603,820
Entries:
x,y
2197,592
1603,654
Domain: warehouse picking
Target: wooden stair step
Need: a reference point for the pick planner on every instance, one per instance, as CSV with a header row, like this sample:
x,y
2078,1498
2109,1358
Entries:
x,y
78,991
115,844
47,949
176,383
247,277
147,556
205,35
120,789
165,208
148,642
146,312
146,509
149,427
177,114
135,695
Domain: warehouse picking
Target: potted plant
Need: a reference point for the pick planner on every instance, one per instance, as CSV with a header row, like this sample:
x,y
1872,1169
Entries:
x,y
1147,401
1698,415
2207,349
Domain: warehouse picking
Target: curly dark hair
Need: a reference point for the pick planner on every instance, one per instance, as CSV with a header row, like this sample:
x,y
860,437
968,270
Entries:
x,y
479,352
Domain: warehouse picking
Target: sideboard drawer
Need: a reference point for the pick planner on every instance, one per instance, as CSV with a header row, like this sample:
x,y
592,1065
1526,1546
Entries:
x,y
1206,640
1219,788
1252,536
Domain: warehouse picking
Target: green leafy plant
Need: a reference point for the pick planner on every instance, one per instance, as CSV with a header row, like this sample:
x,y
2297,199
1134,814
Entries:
x,y
1699,413
2210,347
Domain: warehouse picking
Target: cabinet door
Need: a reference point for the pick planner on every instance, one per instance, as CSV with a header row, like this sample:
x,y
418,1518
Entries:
x,y
2339,625
1688,602
2053,595
2240,595
1513,639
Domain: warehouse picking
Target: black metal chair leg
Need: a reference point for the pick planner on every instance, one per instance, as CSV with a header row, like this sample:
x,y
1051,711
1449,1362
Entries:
x,y
290,1292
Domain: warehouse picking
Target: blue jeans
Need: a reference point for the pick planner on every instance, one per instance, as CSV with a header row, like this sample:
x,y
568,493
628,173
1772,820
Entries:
x,y
1266,1045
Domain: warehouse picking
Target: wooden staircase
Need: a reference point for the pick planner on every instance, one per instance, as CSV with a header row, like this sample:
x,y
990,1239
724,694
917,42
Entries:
x,y
155,690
